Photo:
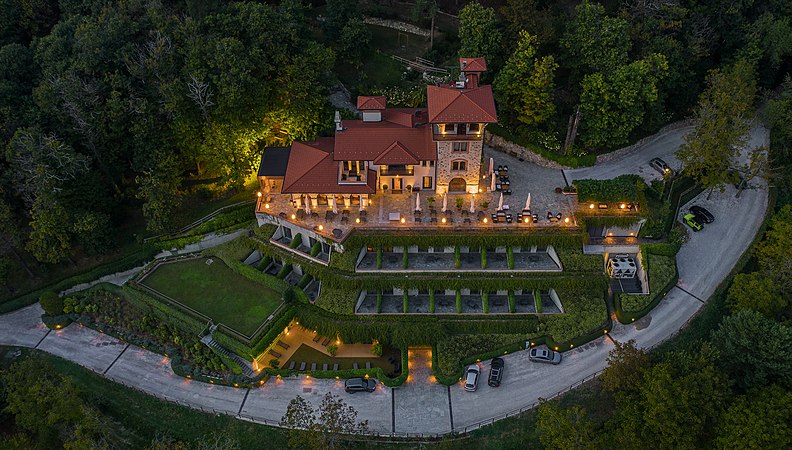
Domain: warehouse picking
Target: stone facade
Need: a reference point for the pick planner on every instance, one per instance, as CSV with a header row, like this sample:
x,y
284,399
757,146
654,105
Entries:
x,y
445,158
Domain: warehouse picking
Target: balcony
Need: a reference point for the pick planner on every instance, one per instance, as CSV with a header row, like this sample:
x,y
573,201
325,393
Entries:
x,y
346,176
392,171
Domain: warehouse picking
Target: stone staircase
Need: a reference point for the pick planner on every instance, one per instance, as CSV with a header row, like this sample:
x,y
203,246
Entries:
x,y
243,363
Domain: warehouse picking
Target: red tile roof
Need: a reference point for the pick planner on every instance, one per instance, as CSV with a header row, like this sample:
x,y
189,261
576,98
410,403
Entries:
x,y
396,154
312,170
452,105
472,64
365,102
367,141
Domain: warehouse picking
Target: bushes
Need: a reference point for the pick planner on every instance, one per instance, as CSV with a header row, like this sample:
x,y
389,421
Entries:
x,y
483,258
315,249
458,302
574,260
485,301
662,248
344,261
557,237
524,141
510,257
584,310
339,300
296,241
662,274
304,281
455,351
52,303
285,270
404,259
457,257
624,188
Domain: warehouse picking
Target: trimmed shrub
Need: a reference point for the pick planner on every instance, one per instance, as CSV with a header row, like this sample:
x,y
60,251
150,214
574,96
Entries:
x,y
315,249
458,302
285,270
485,301
431,301
483,258
296,241
404,258
52,303
332,349
404,300
376,349
457,257
538,300
512,302
379,301
379,258
510,257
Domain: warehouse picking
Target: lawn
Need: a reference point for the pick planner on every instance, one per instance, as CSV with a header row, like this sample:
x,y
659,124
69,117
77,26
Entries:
x,y
217,291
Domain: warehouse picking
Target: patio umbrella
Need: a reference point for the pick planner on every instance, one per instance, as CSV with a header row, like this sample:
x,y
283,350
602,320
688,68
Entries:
x,y
500,202
445,202
307,205
491,166
417,201
335,206
492,183
360,197
473,203
528,202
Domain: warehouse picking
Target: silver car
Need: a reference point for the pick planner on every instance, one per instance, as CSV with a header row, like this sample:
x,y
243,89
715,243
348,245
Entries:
x,y
661,166
544,355
472,375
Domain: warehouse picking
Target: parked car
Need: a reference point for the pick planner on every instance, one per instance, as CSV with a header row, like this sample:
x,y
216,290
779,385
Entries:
x,y
353,385
471,378
701,214
661,166
544,355
496,372
690,220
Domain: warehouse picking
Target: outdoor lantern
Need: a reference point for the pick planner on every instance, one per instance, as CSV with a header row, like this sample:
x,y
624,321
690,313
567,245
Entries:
x,y
566,219
357,220
591,205
622,206
293,217
321,227
266,205
485,220
403,220
258,193
443,220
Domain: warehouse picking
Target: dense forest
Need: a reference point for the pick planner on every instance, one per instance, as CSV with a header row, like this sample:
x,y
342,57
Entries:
x,y
116,113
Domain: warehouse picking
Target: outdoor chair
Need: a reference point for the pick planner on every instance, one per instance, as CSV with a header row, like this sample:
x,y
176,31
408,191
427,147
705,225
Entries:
x,y
325,342
467,220
433,220
302,366
417,213
500,168
494,218
283,345
497,186
363,213
329,215
282,215
344,219
274,353
417,220
363,220
300,214
314,215
558,216
507,192
313,366
316,338
508,218
535,218
291,365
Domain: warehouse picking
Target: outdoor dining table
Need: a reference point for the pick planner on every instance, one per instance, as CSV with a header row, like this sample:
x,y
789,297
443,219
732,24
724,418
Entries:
x,y
394,216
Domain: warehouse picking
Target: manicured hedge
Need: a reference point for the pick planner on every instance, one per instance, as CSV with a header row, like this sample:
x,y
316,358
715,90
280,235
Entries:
x,y
624,188
574,260
133,259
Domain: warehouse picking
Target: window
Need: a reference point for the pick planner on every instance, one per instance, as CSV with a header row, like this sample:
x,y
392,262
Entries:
x,y
423,163
460,146
427,182
458,166
431,163
474,128
427,163
449,128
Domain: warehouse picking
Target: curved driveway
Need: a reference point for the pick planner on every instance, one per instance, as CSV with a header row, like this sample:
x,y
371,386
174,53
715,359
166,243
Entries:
x,y
422,406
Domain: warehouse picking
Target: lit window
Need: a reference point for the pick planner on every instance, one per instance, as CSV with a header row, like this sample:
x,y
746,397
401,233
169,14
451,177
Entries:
x,y
458,166
427,182
460,146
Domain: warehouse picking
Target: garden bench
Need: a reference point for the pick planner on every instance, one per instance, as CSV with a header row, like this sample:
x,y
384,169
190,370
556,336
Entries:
x,y
291,365
316,338
355,366
324,366
283,345
302,366
325,342
274,353
313,366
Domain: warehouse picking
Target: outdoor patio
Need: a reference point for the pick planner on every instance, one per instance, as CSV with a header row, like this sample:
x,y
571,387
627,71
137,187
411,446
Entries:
x,y
439,259
398,211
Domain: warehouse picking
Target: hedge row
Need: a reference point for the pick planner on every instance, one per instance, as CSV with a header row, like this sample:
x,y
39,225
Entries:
x,y
624,188
134,259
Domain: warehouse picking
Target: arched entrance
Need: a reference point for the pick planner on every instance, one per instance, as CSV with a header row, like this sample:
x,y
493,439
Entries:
x,y
457,185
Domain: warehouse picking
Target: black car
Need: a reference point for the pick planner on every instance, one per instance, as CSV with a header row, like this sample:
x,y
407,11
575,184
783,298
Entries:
x,y
702,215
353,385
496,372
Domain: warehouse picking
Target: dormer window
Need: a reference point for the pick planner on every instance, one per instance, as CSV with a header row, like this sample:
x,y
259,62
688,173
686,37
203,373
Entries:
x,y
474,128
449,128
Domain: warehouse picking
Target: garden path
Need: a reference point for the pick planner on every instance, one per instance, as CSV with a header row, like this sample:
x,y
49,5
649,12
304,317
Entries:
x,y
421,406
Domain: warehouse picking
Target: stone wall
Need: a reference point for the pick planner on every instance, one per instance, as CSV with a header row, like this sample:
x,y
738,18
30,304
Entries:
x,y
445,155
518,151
397,25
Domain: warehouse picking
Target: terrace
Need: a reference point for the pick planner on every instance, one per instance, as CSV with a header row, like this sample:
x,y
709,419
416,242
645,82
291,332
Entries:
x,y
428,210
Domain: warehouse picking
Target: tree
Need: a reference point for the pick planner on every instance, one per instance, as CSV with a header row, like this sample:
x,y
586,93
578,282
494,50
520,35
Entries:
x,y
424,10
774,252
353,41
614,103
564,428
757,421
753,350
595,42
159,188
710,153
338,14
756,292
626,366
320,428
525,84
528,16
478,33
49,239
51,303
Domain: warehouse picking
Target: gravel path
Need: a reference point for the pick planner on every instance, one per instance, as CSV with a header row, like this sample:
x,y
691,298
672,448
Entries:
x,y
422,406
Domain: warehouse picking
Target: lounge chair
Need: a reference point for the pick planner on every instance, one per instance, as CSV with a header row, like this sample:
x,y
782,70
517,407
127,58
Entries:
x,y
325,342
291,365
313,366
274,353
283,345
302,366
316,338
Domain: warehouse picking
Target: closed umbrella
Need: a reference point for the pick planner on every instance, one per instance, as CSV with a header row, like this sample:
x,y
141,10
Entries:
x,y
417,201
360,197
335,206
492,183
491,166
500,202
307,205
445,202
528,202
473,203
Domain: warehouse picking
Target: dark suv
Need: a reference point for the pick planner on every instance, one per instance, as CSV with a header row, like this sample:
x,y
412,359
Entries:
x,y
353,385
496,372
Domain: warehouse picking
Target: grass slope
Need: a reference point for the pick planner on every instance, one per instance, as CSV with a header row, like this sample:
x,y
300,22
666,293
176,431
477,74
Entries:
x,y
216,291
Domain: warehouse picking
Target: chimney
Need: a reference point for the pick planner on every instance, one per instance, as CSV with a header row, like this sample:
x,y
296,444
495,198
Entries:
x,y
371,107
339,127
471,69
